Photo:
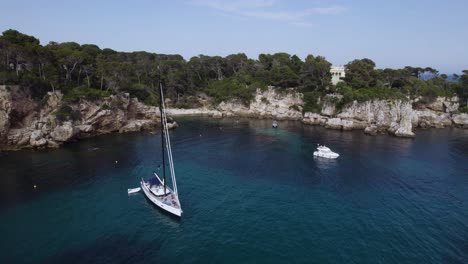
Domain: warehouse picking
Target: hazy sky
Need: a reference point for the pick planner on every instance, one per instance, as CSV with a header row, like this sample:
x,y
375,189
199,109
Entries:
x,y
393,33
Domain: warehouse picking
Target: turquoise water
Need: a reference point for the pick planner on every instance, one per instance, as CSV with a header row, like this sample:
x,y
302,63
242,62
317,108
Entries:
x,y
249,193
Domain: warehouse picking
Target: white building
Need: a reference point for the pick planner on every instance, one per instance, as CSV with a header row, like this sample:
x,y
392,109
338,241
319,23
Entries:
x,y
337,72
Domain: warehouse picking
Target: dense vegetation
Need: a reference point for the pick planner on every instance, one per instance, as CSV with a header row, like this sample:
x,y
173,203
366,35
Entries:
x,y
88,71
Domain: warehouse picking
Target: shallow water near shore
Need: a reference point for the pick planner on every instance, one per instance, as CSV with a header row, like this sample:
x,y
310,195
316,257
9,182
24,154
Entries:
x,y
250,193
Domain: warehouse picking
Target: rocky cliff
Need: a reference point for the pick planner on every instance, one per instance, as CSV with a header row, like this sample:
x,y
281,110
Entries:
x,y
267,104
397,117
25,123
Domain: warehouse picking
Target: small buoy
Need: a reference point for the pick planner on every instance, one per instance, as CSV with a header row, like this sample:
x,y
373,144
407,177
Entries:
x,y
116,162
34,186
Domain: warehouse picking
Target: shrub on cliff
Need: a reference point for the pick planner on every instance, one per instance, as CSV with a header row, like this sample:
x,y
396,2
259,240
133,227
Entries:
x,y
366,94
65,113
311,102
74,95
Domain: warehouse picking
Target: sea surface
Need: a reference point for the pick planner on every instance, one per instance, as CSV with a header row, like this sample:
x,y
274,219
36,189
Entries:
x,y
250,194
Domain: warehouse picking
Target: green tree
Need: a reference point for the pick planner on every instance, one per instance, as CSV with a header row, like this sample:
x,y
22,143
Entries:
x,y
359,73
315,74
462,91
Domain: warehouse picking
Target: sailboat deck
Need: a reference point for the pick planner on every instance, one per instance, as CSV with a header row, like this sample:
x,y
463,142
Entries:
x,y
168,199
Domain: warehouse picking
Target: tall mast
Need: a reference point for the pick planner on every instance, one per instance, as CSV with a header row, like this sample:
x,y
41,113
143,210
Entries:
x,y
162,133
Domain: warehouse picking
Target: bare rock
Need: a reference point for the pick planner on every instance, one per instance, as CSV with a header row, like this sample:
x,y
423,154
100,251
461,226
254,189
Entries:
x,y
267,104
132,126
460,120
85,128
452,104
5,109
64,132
53,101
328,109
52,144
334,123
217,114
314,119
404,132
172,125
437,105
37,139
347,124
19,136
371,130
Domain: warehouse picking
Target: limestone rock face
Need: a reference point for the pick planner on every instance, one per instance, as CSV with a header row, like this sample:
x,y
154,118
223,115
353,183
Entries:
x,y
445,104
267,104
405,126
37,139
329,104
437,105
328,109
5,109
19,137
138,125
452,104
172,125
347,124
64,132
334,123
53,102
377,115
26,123
85,128
371,130
37,126
314,119
52,144
138,110
429,118
460,120
217,114
23,108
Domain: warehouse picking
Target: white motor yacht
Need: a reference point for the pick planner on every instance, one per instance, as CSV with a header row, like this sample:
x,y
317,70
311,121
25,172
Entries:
x,y
325,152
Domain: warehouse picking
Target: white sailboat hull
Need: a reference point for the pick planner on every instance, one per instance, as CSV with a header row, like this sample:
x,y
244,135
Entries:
x,y
168,202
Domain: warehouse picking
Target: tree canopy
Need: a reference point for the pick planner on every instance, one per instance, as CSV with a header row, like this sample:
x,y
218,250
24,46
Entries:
x,y
87,70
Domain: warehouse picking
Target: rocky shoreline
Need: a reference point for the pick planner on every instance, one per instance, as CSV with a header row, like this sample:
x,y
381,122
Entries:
x,y
396,117
25,123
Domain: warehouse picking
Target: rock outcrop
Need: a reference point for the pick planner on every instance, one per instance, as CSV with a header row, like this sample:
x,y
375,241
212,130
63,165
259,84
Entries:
x,y
396,117
393,116
445,104
25,123
267,104
460,120
64,132
5,110
314,119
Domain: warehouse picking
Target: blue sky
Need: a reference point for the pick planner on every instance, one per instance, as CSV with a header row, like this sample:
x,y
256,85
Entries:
x,y
392,33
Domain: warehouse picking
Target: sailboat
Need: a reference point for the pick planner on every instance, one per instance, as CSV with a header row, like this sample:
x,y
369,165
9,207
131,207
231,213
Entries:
x,y
156,189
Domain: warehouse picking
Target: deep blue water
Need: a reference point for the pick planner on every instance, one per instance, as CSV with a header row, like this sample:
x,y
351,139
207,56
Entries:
x,y
249,193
